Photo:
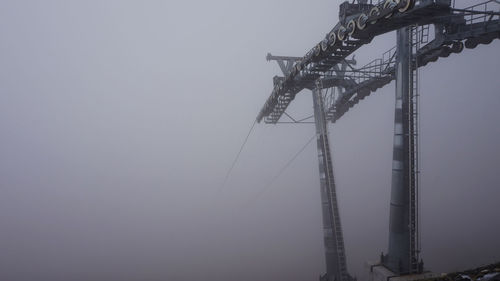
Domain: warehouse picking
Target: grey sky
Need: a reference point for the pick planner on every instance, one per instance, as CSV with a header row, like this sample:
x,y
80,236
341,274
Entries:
x,y
119,120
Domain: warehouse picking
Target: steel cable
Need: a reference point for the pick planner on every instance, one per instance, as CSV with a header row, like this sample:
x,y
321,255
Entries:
x,y
237,157
278,174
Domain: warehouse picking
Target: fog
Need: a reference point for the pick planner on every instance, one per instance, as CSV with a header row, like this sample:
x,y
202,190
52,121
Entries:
x,y
120,120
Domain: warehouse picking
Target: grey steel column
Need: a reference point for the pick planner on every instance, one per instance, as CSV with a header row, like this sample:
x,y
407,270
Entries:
x,y
332,230
398,257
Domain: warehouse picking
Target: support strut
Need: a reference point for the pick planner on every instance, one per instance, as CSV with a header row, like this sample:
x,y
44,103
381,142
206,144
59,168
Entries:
x,y
336,268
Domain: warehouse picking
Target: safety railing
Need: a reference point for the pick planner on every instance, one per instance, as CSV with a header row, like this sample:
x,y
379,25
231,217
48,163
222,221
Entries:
x,y
481,12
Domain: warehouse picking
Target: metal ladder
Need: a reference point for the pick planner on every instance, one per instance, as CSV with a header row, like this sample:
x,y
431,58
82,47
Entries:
x,y
419,34
335,213
339,272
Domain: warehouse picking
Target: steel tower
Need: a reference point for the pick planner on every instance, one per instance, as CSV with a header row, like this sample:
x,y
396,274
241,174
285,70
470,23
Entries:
x,y
402,257
319,69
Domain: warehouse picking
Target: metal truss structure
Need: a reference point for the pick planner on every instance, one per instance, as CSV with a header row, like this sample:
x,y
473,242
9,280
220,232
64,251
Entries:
x,y
454,28
426,31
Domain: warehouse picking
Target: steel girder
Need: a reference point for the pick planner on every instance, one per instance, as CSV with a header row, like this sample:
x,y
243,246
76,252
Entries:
x,y
320,61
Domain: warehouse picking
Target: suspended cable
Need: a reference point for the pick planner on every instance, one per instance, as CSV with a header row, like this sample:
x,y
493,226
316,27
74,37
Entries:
x,y
237,156
264,189
290,116
303,119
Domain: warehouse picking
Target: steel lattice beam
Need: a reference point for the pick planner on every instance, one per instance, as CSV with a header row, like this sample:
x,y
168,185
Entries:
x,y
471,24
